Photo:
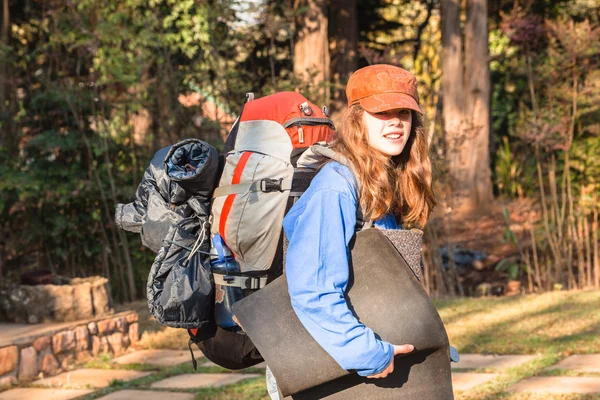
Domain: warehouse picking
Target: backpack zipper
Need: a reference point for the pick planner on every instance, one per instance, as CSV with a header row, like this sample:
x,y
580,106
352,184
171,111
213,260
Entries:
x,y
308,122
300,134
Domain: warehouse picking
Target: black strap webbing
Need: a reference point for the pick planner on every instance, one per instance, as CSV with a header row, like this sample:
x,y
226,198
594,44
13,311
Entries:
x,y
301,182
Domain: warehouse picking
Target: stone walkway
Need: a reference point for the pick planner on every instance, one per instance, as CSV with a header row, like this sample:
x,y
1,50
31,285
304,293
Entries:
x,y
82,378
472,370
161,358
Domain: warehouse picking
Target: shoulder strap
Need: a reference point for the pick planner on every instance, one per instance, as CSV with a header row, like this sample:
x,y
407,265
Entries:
x,y
313,158
314,155
361,222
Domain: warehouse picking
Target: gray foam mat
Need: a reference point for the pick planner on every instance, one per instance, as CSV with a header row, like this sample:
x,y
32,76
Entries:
x,y
386,296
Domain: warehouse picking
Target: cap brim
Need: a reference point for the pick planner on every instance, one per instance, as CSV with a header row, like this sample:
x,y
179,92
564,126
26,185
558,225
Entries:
x,y
389,101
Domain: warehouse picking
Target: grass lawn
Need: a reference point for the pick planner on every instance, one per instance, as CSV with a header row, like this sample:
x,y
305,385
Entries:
x,y
556,322
550,325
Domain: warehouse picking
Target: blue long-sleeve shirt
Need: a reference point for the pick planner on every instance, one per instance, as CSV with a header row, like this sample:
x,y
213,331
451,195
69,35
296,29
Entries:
x,y
319,228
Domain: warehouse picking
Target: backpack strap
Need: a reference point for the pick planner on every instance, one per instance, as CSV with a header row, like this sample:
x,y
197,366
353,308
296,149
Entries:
x,y
244,282
313,158
265,185
361,221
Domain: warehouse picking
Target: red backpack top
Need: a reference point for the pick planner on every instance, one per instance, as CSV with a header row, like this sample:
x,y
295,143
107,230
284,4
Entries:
x,y
304,122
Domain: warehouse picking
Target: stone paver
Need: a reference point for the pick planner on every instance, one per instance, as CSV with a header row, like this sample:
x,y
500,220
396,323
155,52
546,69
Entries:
x,y
467,380
45,394
97,378
557,385
475,361
580,363
194,381
212,364
162,358
146,395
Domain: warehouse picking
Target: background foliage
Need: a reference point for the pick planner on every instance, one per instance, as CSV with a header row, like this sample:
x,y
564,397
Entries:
x,y
92,88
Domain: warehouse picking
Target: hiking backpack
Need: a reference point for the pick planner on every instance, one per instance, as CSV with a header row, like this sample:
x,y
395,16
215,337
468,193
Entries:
x,y
214,250
258,184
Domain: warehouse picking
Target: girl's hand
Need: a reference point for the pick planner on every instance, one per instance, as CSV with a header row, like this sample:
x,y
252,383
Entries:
x,y
404,349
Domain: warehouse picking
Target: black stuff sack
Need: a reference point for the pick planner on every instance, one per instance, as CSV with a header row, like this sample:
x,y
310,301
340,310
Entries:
x,y
171,212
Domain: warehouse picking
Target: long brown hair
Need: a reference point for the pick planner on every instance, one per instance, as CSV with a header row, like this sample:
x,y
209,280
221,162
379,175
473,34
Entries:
x,y
402,184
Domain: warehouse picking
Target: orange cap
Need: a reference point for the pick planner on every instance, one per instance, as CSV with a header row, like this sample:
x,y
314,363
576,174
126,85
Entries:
x,y
383,87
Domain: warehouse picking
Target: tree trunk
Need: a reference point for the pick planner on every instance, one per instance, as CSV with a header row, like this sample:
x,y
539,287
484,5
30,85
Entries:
x,y
466,106
343,46
595,241
311,49
477,78
452,87
5,132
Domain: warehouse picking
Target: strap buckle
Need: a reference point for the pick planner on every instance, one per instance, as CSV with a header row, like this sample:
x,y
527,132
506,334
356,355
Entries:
x,y
256,283
268,185
244,282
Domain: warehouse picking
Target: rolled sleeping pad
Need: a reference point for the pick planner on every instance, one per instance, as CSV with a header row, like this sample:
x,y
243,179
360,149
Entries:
x,y
384,294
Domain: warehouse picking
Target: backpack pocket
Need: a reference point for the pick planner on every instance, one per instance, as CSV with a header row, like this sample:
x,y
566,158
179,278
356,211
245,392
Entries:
x,y
248,217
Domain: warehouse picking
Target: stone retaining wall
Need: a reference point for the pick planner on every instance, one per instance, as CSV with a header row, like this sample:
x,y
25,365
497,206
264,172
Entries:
x,y
81,298
50,352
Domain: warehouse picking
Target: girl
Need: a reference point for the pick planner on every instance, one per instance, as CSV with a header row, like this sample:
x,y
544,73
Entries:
x,y
389,182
